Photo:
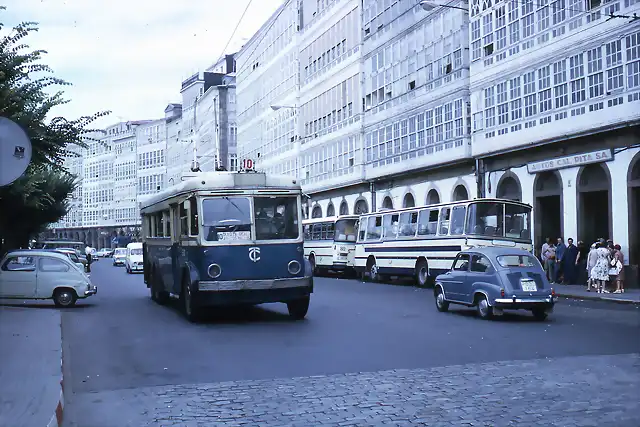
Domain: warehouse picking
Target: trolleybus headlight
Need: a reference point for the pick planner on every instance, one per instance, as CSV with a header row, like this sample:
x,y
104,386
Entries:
x,y
214,271
294,267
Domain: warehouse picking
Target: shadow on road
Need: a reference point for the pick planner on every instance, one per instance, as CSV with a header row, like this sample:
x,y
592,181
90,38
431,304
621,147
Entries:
x,y
45,306
512,316
236,315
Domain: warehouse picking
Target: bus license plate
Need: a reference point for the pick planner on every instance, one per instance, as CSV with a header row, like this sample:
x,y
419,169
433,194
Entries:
x,y
528,285
234,235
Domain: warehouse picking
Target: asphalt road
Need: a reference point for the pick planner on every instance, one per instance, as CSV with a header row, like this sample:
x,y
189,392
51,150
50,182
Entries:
x,y
367,354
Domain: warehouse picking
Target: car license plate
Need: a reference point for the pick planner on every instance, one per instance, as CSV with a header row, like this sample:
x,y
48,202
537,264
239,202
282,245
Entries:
x,y
528,285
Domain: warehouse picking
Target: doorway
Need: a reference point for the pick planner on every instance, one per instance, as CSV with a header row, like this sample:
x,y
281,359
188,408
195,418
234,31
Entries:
x,y
633,182
548,221
594,204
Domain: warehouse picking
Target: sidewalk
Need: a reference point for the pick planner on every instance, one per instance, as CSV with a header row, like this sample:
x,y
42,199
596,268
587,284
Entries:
x,y
30,367
630,296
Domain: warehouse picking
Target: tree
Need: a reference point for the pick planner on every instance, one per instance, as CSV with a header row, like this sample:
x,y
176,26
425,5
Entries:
x,y
39,197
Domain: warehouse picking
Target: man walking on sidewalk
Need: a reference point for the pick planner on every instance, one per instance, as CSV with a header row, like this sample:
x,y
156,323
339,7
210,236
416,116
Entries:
x,y
87,252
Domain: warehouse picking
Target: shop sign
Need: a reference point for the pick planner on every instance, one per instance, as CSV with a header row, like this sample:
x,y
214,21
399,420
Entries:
x,y
570,161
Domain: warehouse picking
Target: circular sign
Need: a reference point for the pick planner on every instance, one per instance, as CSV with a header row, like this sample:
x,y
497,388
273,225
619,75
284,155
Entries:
x,y
15,151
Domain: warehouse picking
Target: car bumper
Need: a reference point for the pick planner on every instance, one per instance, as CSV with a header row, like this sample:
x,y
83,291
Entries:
x,y
136,268
118,261
525,303
253,291
91,291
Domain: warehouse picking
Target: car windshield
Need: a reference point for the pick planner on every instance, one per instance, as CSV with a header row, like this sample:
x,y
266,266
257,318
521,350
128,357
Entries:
x,y
136,251
226,218
517,221
517,261
345,230
276,218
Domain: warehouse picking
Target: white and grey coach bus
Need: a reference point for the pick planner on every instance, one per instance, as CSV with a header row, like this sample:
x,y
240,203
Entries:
x,y
330,243
421,242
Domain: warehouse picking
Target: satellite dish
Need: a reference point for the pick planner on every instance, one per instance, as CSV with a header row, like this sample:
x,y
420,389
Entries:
x,y
15,151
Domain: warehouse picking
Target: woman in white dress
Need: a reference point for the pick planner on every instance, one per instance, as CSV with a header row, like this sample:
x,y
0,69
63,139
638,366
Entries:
x,y
600,271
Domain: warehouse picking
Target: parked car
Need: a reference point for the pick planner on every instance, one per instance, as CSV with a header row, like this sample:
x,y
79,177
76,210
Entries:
x,y
81,256
41,274
133,261
494,279
72,256
119,256
103,253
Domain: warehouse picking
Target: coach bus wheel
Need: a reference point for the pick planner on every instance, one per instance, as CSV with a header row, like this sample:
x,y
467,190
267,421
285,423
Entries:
x,y
312,261
372,267
188,304
422,273
298,308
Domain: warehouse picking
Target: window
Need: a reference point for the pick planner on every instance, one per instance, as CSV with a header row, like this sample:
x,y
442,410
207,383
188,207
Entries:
x,y
374,227
517,261
390,226
461,263
277,218
19,263
47,264
486,219
445,215
428,222
517,221
345,230
480,264
227,218
408,224
184,220
457,220
193,217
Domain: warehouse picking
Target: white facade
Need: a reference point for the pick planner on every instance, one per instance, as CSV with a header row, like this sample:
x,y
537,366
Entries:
x,y
74,164
178,154
267,75
98,182
124,209
151,146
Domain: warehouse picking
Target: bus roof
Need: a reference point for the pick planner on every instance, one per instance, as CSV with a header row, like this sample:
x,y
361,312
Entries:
x,y
383,211
211,181
329,219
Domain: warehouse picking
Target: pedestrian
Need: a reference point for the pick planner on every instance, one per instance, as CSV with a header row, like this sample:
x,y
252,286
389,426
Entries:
x,y
600,271
569,262
619,258
613,272
560,250
582,277
549,260
87,252
592,257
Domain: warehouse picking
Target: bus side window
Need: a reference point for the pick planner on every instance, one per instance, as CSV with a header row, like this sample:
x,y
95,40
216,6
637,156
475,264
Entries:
x,y
457,220
166,217
330,231
408,224
194,228
362,230
159,224
184,221
390,226
445,214
428,222
316,234
374,228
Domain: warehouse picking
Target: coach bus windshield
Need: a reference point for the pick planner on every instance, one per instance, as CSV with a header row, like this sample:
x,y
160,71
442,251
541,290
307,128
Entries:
x,y
499,220
345,230
226,218
276,218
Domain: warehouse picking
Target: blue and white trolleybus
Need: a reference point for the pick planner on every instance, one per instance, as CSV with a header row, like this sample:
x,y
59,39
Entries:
x,y
227,238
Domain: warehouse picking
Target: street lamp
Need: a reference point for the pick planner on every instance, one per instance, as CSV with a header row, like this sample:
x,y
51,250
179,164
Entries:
x,y
277,107
429,5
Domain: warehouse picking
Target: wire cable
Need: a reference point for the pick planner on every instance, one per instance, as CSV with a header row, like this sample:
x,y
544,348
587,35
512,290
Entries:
x,y
233,33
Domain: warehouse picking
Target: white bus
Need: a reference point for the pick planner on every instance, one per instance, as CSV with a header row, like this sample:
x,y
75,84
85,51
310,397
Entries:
x,y
329,243
422,242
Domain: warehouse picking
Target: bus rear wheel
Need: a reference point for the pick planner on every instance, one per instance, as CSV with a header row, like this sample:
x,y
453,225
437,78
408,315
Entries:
x,y
158,294
298,308
189,307
422,273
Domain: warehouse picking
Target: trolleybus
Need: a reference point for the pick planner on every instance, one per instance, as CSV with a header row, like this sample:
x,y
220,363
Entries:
x,y
227,238
330,243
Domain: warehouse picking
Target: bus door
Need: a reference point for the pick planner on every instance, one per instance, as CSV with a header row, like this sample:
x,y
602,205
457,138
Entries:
x,y
176,248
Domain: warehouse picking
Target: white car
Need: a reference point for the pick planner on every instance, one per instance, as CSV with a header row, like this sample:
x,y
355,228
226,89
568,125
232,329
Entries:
x,y
119,256
134,260
37,274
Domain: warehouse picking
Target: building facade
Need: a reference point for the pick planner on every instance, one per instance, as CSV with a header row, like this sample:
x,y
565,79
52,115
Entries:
x,y
556,107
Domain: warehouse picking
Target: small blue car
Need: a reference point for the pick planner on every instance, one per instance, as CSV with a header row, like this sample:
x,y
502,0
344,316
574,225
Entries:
x,y
493,279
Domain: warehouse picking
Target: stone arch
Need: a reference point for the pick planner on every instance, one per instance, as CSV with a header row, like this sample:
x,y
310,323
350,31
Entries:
x,y
633,197
408,201
316,212
387,202
331,210
548,205
433,197
460,192
509,187
594,202
344,207
361,206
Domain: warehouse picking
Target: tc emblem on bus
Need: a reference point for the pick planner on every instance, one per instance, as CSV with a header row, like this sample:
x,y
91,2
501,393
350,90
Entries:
x,y
254,254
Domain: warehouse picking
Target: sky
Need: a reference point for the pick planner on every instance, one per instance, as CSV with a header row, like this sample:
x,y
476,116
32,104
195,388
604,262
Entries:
x,y
130,56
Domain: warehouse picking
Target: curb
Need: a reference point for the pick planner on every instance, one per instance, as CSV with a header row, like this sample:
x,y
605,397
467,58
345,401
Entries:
x,y
56,418
598,298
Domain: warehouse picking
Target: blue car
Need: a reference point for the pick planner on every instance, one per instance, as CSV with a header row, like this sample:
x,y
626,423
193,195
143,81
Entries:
x,y
494,279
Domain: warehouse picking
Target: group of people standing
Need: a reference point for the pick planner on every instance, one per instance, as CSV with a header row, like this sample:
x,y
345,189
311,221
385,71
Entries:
x,y
600,266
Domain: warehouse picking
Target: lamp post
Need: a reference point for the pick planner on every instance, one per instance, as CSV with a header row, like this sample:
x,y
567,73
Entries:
x,y
429,5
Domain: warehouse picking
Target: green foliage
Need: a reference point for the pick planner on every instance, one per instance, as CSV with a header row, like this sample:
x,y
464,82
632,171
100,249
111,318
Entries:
x,y
39,197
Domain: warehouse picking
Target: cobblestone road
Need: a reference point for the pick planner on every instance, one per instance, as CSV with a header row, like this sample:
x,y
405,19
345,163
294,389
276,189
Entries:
x,y
572,391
